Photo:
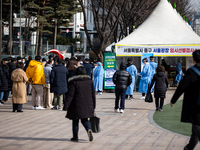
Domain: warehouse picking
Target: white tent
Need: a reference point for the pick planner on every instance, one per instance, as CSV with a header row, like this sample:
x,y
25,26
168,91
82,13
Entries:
x,y
164,33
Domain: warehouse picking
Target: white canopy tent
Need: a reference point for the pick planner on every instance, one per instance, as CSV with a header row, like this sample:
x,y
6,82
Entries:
x,y
164,33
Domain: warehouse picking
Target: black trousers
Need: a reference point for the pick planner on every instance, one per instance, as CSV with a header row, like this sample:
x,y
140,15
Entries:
x,y
195,137
17,106
5,96
161,102
86,124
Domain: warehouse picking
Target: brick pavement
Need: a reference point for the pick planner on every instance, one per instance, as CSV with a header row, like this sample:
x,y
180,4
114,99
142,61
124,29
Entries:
x,y
50,130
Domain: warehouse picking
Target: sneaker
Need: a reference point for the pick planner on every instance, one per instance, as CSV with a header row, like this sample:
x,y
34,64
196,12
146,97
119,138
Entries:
x,y
100,93
157,108
116,110
1,102
160,109
39,108
60,108
131,98
74,139
143,97
121,111
54,108
90,135
34,108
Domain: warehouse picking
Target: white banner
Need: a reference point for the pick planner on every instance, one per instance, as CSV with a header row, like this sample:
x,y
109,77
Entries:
x,y
157,50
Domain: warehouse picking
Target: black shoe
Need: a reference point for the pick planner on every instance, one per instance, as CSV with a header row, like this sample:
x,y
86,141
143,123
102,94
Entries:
x,y
130,98
54,108
74,139
90,135
19,111
13,111
1,102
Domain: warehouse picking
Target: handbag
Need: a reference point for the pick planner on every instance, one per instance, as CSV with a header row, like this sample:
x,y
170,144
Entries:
x,y
95,124
148,97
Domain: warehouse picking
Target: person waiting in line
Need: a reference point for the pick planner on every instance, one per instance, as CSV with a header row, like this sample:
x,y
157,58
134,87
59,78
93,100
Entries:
x,y
44,61
179,73
161,84
58,83
80,105
98,78
19,96
133,71
48,96
122,79
36,78
153,69
89,67
191,102
145,79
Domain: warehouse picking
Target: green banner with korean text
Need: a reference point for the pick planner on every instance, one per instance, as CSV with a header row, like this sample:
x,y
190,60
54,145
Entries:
x,y
110,69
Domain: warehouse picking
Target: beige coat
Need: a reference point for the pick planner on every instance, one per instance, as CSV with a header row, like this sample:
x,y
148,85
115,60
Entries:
x,y
19,78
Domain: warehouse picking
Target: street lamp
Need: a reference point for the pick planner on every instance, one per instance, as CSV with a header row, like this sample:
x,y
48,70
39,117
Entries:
x,y
20,35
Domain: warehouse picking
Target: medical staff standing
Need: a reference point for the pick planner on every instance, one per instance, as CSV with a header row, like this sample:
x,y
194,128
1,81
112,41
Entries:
x,y
133,71
145,79
179,72
98,78
153,69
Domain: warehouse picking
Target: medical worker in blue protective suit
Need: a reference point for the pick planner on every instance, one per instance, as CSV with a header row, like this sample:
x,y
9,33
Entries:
x,y
98,78
179,73
153,69
133,71
145,79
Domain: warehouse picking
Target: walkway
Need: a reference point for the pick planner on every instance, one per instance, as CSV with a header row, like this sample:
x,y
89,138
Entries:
x,y
49,130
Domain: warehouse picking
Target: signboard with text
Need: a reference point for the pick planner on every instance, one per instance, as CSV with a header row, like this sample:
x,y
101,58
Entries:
x,y
157,50
110,69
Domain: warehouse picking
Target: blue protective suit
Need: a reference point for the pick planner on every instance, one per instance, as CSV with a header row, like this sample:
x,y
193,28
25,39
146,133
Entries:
x,y
145,79
133,71
98,77
179,72
153,71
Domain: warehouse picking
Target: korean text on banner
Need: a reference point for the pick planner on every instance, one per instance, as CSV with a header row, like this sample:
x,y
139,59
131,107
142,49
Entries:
x,y
110,69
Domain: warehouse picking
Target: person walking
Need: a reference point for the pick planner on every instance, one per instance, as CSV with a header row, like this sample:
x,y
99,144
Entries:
x,y
179,73
145,79
133,71
28,85
122,79
48,97
80,105
191,103
36,78
1,82
58,83
153,66
161,84
19,96
98,78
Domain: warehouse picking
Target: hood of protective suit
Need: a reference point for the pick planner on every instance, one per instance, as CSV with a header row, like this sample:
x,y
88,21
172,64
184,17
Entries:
x,y
160,74
123,66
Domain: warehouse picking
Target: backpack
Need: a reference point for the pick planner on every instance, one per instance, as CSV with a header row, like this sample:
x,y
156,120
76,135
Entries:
x,y
198,73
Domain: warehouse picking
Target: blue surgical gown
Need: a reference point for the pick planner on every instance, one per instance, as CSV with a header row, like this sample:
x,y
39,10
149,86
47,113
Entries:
x,y
179,72
133,71
145,79
98,78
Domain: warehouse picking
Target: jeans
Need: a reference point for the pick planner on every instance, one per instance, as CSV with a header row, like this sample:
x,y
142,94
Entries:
x,y
195,137
119,92
85,123
1,95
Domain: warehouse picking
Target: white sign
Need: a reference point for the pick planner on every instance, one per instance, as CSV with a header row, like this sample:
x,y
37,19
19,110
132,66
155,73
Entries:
x,y
157,50
189,62
6,30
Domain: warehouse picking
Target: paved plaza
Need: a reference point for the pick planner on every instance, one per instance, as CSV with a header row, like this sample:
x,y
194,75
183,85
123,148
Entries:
x,y
50,130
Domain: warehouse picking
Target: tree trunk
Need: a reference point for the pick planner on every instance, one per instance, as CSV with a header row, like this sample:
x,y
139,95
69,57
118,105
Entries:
x,y
55,34
40,45
37,40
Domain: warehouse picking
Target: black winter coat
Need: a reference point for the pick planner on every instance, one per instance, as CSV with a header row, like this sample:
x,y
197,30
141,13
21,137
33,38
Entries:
x,y
4,78
58,79
80,101
89,68
190,87
122,78
161,84
12,67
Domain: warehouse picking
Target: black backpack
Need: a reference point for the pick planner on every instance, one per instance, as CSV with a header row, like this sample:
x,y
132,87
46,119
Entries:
x,y
198,73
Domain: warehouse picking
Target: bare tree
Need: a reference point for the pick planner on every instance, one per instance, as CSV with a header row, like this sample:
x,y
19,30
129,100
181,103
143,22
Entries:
x,y
102,12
